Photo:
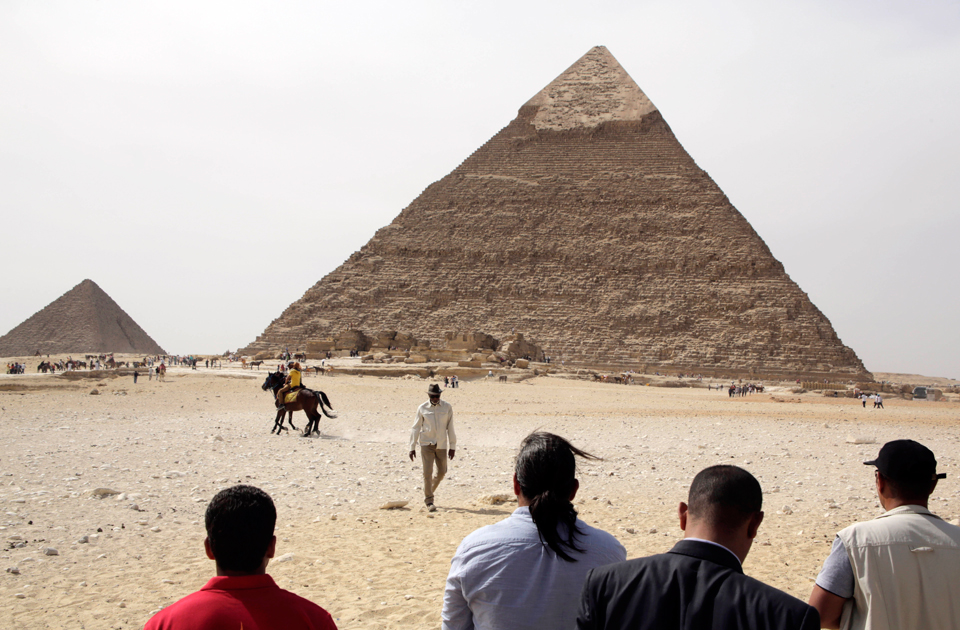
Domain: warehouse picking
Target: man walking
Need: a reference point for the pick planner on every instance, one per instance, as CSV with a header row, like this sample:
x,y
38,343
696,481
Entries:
x,y
700,582
900,571
433,429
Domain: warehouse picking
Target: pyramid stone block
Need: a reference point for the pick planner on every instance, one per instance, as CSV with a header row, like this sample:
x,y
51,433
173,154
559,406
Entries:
x,y
586,226
84,319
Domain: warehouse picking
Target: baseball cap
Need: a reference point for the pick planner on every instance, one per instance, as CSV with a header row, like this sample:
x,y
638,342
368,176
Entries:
x,y
906,461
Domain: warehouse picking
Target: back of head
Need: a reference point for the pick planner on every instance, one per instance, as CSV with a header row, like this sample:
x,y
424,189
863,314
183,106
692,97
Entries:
x,y
724,496
910,469
240,523
546,473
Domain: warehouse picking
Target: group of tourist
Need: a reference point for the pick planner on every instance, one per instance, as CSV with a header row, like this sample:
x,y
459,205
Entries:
x,y
735,390
15,368
543,567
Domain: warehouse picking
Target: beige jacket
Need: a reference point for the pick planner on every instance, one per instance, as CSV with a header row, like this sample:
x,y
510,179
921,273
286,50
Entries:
x,y
907,568
433,426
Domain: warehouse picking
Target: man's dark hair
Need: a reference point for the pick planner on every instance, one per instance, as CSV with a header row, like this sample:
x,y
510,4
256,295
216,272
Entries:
x,y
546,473
725,496
240,522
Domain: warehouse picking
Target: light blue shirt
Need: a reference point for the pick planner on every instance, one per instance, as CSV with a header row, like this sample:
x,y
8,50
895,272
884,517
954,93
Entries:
x,y
503,578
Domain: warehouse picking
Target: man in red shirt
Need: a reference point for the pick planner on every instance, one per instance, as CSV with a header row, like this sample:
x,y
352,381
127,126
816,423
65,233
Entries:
x,y
240,523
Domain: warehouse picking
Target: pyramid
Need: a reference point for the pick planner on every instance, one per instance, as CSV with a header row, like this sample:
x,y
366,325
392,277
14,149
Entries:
x,y
585,225
84,319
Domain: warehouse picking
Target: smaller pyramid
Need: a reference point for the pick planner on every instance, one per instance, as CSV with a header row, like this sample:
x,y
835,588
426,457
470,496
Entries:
x,y
84,319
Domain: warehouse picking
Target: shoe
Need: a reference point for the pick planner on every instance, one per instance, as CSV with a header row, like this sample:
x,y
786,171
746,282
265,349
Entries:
x,y
431,507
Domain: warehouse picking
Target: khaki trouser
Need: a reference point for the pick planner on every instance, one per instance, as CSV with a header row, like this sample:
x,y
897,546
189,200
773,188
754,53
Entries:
x,y
429,454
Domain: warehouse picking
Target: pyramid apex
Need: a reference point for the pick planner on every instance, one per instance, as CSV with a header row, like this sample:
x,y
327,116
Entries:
x,y
594,90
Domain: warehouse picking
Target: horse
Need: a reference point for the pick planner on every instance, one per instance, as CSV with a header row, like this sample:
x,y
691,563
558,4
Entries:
x,y
300,356
255,363
307,400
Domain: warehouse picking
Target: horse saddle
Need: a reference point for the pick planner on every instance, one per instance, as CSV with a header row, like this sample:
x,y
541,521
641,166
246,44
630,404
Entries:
x,y
291,396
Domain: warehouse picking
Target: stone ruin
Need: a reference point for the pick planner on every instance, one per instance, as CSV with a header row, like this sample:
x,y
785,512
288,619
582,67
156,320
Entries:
x,y
394,347
472,342
585,224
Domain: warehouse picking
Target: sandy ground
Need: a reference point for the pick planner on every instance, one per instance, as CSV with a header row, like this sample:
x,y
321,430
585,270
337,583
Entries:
x,y
168,447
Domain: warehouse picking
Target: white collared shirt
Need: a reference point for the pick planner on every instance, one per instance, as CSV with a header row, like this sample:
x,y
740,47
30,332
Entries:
x,y
434,425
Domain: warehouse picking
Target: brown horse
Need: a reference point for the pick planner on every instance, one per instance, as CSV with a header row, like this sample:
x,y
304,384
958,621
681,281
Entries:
x,y
307,400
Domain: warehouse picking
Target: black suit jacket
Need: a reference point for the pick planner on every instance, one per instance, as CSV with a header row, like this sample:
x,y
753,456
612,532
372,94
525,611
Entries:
x,y
694,586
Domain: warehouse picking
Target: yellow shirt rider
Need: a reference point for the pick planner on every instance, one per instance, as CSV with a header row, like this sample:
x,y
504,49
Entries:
x,y
292,382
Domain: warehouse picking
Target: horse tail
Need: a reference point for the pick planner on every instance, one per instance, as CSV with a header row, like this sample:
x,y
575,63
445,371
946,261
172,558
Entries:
x,y
324,404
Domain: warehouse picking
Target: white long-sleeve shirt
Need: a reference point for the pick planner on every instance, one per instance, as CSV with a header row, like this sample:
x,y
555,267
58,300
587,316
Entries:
x,y
433,426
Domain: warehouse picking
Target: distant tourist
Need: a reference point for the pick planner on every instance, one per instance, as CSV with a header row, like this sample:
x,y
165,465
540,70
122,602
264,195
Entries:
x,y
902,569
878,401
700,582
433,431
526,572
240,522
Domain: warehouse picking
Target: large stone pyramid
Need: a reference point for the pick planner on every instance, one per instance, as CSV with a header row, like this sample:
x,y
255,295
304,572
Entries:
x,y
586,226
84,319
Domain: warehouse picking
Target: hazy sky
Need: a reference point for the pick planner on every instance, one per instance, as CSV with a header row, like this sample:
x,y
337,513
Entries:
x,y
206,163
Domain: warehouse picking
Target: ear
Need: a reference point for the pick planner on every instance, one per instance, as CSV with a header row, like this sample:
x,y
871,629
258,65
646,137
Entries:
x,y
516,485
754,524
208,548
576,486
682,512
881,483
272,547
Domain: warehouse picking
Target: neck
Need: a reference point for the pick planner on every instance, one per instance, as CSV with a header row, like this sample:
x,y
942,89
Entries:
x,y
739,545
892,503
228,573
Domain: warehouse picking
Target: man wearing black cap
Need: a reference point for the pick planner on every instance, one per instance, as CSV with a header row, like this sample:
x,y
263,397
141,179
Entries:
x,y
433,429
902,569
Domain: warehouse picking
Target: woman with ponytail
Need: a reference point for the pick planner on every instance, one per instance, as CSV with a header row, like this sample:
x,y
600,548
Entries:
x,y
527,571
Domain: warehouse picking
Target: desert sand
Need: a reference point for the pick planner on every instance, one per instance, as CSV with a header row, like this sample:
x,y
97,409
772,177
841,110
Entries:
x,y
166,448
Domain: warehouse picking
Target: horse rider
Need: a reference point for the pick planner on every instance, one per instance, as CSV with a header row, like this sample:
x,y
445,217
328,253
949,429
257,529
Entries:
x,y
291,383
